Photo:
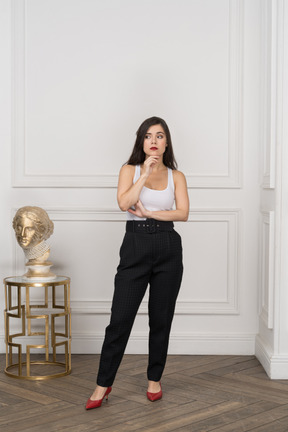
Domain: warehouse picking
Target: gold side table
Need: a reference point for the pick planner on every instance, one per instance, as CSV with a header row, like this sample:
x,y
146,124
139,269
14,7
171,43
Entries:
x,y
25,313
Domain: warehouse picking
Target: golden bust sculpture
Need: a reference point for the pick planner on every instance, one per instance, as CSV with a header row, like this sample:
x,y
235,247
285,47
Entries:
x,y
32,227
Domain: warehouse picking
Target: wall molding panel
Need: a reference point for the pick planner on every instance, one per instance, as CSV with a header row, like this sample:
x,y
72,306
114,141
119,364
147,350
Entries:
x,y
270,95
211,306
22,178
266,279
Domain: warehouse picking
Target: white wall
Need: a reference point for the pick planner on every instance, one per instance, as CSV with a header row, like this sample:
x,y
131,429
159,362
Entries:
x,y
85,74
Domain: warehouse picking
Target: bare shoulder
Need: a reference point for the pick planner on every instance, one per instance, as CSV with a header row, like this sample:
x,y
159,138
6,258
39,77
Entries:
x,y
178,177
127,170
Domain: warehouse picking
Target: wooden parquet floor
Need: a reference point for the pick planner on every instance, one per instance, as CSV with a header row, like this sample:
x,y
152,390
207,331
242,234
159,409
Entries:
x,y
200,394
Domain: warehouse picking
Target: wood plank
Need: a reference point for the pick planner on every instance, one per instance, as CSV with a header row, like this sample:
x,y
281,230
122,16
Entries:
x,y
76,416
206,392
281,425
31,411
250,423
234,368
222,383
138,417
11,408
176,422
267,384
229,418
28,394
218,363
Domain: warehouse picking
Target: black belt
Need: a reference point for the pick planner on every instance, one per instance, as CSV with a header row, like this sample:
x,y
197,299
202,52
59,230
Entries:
x,y
149,226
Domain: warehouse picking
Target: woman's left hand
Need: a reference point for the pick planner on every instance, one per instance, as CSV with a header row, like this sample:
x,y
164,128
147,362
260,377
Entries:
x,y
140,210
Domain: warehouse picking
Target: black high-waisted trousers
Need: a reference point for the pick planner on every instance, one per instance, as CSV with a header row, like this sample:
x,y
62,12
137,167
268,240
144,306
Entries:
x,y
151,253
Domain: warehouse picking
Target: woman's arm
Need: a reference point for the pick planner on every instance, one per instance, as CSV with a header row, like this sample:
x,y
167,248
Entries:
x,y
181,200
128,193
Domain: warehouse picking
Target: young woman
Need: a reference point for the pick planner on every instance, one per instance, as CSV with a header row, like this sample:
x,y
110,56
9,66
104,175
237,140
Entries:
x,y
151,253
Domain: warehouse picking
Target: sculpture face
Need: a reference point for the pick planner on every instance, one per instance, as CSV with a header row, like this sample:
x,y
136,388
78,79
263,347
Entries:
x,y
26,232
32,227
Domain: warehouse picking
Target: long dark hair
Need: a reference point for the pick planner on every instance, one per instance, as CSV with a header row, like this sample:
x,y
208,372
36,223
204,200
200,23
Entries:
x,y
138,156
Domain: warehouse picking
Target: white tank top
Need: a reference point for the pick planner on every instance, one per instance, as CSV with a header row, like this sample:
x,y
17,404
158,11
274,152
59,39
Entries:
x,y
155,200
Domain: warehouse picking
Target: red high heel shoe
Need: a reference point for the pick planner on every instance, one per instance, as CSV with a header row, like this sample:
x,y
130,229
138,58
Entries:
x,y
97,403
155,396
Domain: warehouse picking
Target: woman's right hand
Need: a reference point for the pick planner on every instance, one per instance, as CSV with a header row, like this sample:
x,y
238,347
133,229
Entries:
x,y
128,193
149,163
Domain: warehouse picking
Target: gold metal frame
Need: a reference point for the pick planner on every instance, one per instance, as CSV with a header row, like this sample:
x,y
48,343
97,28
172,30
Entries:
x,y
25,313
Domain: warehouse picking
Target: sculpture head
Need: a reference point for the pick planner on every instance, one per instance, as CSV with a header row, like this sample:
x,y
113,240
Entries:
x,y
32,225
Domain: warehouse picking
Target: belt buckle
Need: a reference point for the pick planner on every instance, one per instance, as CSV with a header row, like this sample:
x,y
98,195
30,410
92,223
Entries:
x,y
150,227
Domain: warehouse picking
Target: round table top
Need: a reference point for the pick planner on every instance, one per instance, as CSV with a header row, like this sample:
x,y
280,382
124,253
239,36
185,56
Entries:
x,y
23,281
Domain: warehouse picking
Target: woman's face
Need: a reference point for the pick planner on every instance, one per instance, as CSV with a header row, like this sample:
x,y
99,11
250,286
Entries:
x,y
26,232
155,141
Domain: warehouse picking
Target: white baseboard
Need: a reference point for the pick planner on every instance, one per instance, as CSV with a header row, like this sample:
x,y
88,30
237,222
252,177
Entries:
x,y
212,343
276,366
180,343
